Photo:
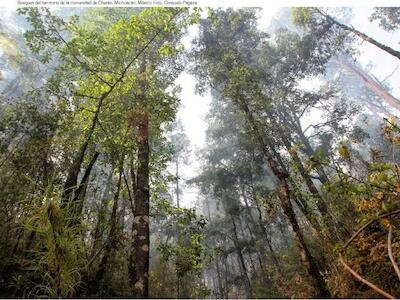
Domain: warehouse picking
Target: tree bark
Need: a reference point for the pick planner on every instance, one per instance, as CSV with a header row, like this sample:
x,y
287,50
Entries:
x,y
98,231
111,241
361,35
177,183
80,193
241,259
307,259
320,202
140,225
370,83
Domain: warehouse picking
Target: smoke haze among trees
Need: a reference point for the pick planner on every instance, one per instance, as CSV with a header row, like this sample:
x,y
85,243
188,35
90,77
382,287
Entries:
x,y
199,153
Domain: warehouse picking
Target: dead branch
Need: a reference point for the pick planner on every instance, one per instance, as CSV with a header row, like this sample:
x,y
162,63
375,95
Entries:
x,y
368,224
392,260
358,277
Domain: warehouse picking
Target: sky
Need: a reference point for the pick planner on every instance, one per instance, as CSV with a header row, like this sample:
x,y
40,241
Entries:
x,y
194,108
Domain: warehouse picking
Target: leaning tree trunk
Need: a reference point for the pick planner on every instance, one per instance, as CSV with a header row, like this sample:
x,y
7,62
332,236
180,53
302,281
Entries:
x,y
299,199
81,191
296,126
320,201
370,83
71,182
361,35
307,259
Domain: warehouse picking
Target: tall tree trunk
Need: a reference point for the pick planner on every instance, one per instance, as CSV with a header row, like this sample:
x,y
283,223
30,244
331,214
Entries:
x,y
241,258
140,225
298,199
370,83
361,35
320,201
219,279
308,149
177,183
111,241
98,231
307,259
80,193
261,226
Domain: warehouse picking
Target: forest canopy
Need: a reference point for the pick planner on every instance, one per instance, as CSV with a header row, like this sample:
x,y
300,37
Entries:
x,y
296,185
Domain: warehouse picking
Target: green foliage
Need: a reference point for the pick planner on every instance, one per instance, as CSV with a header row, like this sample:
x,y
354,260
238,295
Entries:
x,y
114,69
301,15
188,251
55,264
388,17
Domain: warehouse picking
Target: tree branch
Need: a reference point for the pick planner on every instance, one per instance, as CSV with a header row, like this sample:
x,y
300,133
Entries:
x,y
392,260
362,228
358,277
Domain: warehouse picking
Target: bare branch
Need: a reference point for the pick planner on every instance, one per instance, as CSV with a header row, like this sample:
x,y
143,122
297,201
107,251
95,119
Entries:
x,y
392,260
390,75
368,224
363,280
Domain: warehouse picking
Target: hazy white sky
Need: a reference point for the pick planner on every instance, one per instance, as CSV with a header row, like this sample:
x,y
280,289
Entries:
x,y
194,108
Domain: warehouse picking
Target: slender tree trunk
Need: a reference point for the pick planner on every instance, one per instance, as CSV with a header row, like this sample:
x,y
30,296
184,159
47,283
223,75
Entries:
x,y
98,232
307,259
320,202
111,241
72,178
219,279
80,193
322,177
241,259
177,183
226,291
298,199
361,35
369,82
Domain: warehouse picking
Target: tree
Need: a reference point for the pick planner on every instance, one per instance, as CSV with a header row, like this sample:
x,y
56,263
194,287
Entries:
x,y
388,17
235,75
319,22
135,83
181,153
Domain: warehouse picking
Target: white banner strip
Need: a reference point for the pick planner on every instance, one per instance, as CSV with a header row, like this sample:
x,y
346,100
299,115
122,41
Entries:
x,y
201,3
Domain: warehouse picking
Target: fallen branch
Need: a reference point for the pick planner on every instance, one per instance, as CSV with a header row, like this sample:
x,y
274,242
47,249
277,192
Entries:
x,y
368,224
358,277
